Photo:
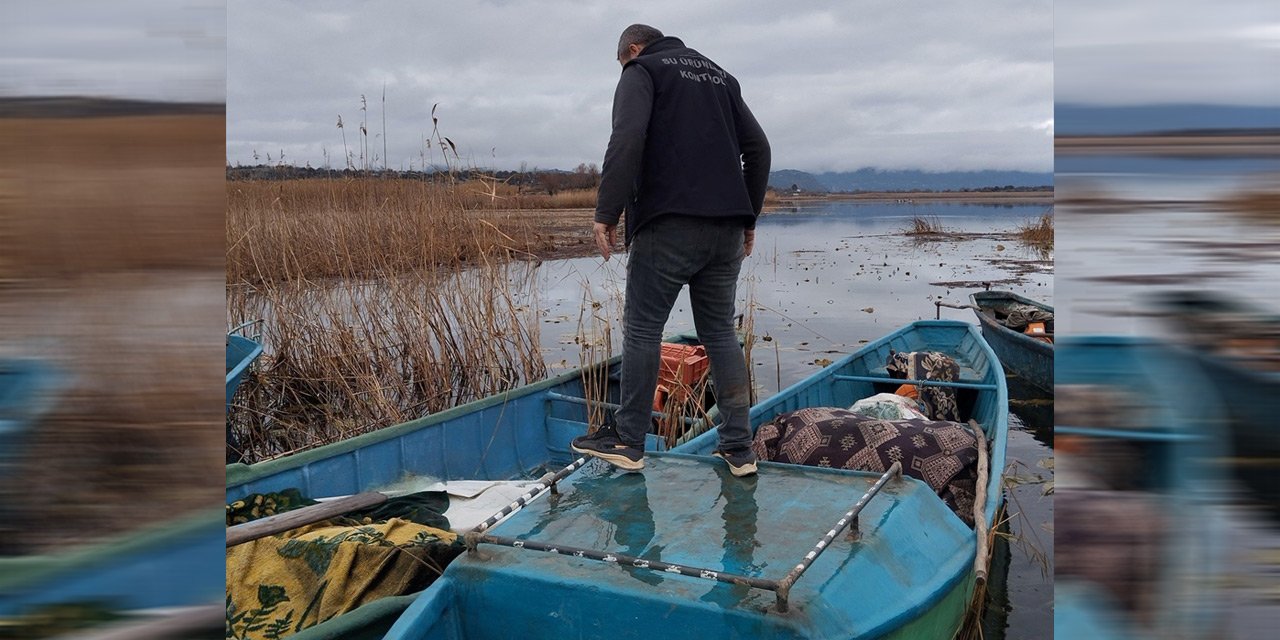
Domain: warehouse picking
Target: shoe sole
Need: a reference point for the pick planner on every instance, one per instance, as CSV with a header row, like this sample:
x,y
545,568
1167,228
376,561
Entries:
x,y
617,460
738,471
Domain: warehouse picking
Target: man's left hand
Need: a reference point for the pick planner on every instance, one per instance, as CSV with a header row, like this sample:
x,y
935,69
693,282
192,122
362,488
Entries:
x,y
606,238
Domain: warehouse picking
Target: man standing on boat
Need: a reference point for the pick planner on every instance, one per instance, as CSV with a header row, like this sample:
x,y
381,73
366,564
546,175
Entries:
x,y
689,164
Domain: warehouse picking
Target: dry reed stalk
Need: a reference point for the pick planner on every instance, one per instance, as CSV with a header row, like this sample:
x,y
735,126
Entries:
x,y
596,346
924,226
349,357
684,402
1038,233
359,227
747,329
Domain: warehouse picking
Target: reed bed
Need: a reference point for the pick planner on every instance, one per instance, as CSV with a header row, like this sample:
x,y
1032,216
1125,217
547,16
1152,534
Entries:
x,y
350,357
362,227
1038,233
496,194
1260,204
381,301
923,226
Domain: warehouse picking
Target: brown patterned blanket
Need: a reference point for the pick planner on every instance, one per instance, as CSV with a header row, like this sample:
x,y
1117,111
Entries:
x,y
942,454
939,402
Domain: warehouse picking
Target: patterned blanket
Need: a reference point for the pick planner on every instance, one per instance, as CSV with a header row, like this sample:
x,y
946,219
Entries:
x,y
939,402
942,454
282,584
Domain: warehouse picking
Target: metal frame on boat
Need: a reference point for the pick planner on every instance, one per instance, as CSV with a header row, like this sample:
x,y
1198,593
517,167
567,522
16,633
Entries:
x,y
911,573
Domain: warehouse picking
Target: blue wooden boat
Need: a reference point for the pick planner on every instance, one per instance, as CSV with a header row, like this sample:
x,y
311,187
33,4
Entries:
x,y
1175,442
241,352
25,393
519,434
722,543
176,564
1238,347
1023,355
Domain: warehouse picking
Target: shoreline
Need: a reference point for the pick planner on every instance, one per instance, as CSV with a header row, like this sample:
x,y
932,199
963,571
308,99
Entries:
x,y
1189,145
1044,196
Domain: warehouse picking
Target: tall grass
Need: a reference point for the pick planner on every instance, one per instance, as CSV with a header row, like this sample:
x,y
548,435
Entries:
x,y
313,229
1261,204
1038,233
924,226
382,300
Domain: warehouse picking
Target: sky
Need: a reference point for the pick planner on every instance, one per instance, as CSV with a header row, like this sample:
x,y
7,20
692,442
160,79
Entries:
x,y
1139,52
837,85
168,50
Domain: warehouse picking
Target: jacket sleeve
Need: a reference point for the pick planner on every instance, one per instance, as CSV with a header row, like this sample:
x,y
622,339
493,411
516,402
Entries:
x,y
632,105
755,157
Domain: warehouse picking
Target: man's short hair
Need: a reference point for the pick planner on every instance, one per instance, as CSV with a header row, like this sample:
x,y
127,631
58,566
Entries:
x,y
641,34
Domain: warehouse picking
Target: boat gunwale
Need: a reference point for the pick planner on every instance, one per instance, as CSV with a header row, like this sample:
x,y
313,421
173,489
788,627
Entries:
x,y
1183,301
238,474
1021,339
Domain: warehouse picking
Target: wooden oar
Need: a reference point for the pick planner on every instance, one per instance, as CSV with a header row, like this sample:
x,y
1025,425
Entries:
x,y
980,506
281,522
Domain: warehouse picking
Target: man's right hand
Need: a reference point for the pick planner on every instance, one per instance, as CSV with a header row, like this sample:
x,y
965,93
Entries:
x,y
606,238
748,240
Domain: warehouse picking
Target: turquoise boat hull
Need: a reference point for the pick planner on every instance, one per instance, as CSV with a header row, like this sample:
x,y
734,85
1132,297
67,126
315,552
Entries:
x,y
519,434
1022,355
1249,393
241,352
175,564
1184,437
25,394
170,565
909,574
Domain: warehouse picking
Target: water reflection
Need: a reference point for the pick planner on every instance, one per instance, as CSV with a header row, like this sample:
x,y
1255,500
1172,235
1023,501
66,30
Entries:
x,y
826,279
738,511
1145,239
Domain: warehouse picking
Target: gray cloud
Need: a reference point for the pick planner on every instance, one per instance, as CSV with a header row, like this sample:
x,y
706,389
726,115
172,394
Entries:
x,y
150,49
837,85
1168,51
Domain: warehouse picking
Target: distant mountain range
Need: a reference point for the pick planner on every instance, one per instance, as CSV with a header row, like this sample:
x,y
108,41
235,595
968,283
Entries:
x,y
905,180
1079,120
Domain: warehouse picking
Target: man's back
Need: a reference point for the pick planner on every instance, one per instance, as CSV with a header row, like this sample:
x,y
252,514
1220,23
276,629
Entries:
x,y
681,136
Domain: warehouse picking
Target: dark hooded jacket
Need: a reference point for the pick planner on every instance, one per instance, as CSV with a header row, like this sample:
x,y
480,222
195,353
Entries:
x,y
683,142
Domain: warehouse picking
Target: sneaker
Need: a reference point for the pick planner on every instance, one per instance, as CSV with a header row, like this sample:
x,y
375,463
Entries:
x,y
741,463
604,444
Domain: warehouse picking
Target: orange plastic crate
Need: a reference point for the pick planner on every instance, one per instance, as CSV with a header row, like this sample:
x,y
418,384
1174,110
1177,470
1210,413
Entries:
x,y
682,364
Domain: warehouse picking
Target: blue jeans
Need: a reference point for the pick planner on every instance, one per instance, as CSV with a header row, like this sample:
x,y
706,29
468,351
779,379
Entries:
x,y
666,254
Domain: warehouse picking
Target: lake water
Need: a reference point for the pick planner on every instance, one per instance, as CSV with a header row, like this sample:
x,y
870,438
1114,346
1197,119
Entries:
x,y
827,278
1172,237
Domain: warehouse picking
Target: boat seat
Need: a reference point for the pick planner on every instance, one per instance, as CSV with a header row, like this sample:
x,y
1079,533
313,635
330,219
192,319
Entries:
x,y
967,374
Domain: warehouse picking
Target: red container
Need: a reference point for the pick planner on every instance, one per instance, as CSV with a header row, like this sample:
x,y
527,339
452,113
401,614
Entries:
x,y
682,365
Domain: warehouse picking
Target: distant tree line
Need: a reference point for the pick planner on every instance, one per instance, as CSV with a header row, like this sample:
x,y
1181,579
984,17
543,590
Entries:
x,y
551,181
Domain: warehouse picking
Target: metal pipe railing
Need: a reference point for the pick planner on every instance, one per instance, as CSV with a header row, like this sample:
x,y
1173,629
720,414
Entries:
x,y
781,587
546,482
923,383
850,518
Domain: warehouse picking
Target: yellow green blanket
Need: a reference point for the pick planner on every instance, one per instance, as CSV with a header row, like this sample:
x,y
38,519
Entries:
x,y
279,585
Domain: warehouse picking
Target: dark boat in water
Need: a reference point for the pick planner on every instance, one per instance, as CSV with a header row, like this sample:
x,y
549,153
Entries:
x,y
1238,347
1027,355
